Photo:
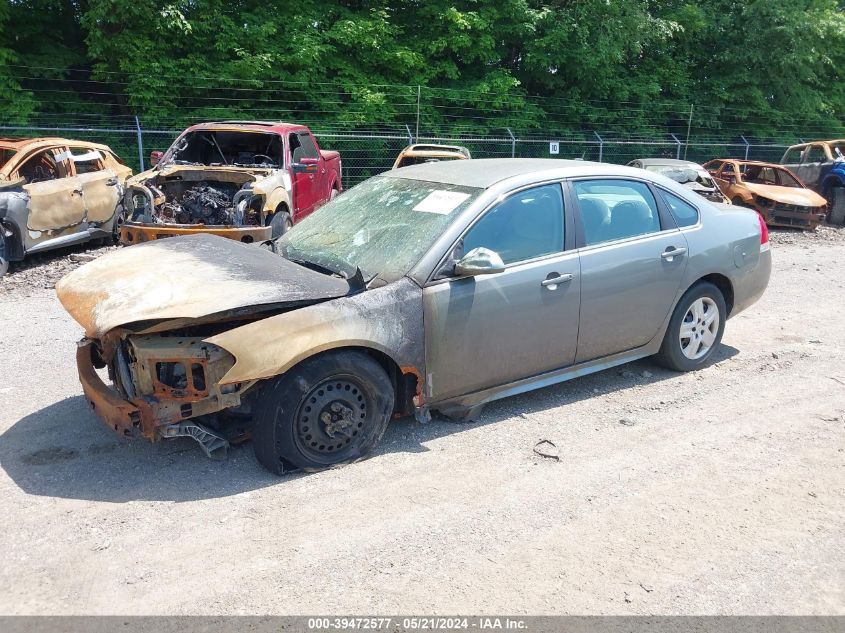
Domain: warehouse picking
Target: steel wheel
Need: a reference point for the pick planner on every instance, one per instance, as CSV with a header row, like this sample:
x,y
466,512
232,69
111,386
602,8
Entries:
x,y
699,328
331,417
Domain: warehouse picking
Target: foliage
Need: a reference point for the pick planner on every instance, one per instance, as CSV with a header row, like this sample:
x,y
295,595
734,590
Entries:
x,y
765,67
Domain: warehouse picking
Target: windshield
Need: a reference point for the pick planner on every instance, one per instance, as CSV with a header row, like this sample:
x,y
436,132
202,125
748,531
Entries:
x,y
684,175
219,147
383,226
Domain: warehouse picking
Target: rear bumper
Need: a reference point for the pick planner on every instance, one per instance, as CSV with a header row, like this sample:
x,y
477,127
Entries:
x,y
135,232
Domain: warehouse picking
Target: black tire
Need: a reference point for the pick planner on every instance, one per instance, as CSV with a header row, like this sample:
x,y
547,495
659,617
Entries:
x,y
280,224
671,354
329,410
836,205
4,254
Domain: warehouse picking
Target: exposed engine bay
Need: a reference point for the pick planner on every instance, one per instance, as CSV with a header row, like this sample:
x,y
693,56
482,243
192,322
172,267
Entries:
x,y
196,197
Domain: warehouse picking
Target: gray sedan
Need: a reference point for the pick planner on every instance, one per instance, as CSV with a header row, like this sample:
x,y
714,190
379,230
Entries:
x,y
441,286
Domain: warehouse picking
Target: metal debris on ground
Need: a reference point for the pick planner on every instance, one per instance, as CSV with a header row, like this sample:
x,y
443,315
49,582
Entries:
x,y
547,449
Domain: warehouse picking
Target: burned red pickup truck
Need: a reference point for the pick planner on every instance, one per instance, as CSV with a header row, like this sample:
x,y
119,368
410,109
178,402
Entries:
x,y
245,180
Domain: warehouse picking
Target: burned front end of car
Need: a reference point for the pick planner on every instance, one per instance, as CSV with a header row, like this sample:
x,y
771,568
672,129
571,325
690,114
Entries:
x,y
163,386
224,181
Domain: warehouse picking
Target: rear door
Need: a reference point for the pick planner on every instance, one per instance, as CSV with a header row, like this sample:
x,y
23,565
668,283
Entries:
x,y
813,163
100,187
633,259
55,195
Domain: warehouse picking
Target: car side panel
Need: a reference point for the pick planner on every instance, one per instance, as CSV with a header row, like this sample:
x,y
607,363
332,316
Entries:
x,y
55,204
99,196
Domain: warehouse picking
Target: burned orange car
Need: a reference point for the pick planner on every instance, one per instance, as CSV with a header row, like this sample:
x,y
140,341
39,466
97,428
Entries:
x,y
772,190
56,192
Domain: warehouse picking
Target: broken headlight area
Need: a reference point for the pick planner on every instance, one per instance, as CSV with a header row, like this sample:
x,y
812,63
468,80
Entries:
x,y
172,379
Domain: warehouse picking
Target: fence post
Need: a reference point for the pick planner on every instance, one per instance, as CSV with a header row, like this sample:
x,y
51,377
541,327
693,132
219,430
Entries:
x,y
689,127
410,136
747,145
140,142
601,146
513,143
678,153
419,95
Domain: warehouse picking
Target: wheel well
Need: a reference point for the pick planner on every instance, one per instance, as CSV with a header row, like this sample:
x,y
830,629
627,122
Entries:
x,y
725,287
15,250
405,383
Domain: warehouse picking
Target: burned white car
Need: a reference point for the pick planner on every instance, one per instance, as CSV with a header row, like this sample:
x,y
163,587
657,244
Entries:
x,y
689,174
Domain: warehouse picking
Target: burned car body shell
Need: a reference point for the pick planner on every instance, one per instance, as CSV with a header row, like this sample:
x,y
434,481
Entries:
x,y
203,184
243,315
772,190
55,192
691,175
821,166
429,153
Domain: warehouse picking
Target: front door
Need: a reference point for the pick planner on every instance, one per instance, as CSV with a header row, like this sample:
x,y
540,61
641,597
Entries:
x,y
629,274
494,329
55,197
306,180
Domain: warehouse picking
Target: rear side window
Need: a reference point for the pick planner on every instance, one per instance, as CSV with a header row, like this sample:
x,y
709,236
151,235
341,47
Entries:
x,y
815,154
616,209
85,160
684,213
529,224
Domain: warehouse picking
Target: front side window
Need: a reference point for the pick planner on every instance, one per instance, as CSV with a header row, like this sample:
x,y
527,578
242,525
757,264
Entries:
x,y
616,209
527,225
792,156
42,166
684,213
302,146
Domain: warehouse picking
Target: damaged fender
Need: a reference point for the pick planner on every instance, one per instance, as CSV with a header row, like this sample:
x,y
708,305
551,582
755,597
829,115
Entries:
x,y
387,319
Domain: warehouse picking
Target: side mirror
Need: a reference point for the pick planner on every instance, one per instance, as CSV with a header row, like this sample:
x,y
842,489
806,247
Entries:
x,y
479,261
306,165
155,156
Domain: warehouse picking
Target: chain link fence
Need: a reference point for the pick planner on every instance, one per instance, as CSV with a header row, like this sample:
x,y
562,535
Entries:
x,y
367,153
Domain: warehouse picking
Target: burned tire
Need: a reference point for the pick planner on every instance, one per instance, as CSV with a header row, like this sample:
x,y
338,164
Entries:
x,y
695,329
328,410
280,224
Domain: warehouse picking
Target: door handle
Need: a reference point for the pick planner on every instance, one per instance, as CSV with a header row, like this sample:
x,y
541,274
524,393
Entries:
x,y
672,252
551,283
76,192
112,182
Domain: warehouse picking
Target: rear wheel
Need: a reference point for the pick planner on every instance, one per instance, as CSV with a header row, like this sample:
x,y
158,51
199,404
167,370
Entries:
x,y
329,410
280,224
695,329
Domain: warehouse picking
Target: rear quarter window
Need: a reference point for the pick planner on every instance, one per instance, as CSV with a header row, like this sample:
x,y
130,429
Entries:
x,y
684,213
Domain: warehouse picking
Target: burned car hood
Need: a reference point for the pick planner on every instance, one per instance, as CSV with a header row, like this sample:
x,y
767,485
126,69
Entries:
x,y
787,195
187,278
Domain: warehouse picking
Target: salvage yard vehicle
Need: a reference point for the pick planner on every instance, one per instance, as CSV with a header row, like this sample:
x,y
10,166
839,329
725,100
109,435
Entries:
x,y
245,180
772,190
434,287
691,175
429,153
821,166
56,192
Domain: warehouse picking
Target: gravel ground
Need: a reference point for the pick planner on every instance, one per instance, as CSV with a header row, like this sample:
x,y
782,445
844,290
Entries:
x,y
716,492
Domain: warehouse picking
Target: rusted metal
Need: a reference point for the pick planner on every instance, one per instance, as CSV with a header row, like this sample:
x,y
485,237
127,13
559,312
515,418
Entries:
x,y
426,152
136,233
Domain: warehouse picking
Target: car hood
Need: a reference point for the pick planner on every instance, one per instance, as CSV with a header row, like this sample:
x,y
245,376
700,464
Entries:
x,y
187,278
787,195
167,170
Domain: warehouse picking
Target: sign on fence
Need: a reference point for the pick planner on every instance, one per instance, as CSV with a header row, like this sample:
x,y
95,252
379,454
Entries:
x,y
554,147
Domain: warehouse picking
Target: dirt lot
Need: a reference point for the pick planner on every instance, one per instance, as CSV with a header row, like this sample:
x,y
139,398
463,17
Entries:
x,y
719,492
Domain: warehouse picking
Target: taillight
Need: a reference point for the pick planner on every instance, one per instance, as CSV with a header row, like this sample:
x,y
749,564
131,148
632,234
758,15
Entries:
x,y
764,233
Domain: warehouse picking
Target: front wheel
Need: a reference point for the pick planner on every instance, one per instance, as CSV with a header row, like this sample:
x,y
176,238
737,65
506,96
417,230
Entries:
x,y
695,329
328,410
836,202
280,224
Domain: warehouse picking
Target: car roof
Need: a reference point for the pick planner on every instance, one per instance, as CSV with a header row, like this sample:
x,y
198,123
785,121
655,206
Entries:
x,y
20,143
673,162
273,127
808,143
486,172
